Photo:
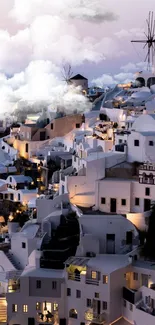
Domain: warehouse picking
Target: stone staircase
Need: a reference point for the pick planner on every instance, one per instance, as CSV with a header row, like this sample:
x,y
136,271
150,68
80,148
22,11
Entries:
x,y
12,260
3,310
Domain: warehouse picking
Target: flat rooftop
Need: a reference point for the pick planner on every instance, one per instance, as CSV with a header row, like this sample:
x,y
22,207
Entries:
x,y
43,273
107,263
144,264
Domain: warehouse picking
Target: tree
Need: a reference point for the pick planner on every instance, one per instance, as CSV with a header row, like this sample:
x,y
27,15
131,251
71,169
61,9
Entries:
x,y
67,73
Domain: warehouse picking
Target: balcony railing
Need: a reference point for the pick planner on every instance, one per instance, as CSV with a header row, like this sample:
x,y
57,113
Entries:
x,y
74,277
99,319
13,288
92,281
42,319
146,308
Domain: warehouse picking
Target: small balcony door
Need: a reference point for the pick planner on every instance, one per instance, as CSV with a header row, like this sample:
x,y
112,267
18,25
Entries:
x,y
113,205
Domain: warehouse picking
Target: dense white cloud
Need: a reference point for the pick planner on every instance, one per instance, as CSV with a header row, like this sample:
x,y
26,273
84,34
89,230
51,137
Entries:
x,y
40,82
133,32
94,11
134,66
37,36
109,80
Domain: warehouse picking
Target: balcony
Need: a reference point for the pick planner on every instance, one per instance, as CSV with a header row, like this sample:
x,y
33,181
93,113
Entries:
x,y
74,277
41,319
99,319
132,296
13,288
92,281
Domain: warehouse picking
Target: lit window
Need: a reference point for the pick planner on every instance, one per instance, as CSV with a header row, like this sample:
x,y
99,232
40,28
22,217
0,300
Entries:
x,y
94,275
14,308
105,279
73,313
55,306
25,308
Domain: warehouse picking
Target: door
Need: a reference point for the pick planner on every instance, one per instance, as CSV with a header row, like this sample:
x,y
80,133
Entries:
x,y
110,244
144,280
42,135
113,205
147,204
129,236
98,307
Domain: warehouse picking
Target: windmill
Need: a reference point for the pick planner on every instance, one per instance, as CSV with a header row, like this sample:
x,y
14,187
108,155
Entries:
x,y
149,42
67,73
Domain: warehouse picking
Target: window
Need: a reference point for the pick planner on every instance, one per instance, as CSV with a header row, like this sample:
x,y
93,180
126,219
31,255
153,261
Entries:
x,y
10,179
123,201
137,201
136,143
78,294
68,292
124,303
77,125
55,306
135,276
23,245
105,279
88,302
25,308
11,197
54,285
94,275
18,196
14,308
104,305
51,126
103,200
120,141
131,307
97,295
38,306
151,143
147,191
38,284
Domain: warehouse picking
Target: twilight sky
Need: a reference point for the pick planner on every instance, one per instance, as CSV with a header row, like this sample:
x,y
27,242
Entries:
x,y
38,36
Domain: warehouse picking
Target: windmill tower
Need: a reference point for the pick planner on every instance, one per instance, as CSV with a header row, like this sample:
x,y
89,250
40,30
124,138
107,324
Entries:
x,y
149,41
67,73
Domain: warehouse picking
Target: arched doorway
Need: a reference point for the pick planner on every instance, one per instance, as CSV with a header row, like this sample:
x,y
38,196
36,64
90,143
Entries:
x,y
150,82
141,82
